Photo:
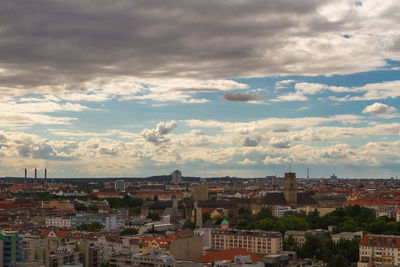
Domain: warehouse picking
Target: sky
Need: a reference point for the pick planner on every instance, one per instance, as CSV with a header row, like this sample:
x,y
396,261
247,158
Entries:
x,y
132,88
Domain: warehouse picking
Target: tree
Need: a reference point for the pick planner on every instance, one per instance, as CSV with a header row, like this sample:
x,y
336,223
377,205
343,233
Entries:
x,y
289,243
155,198
79,206
129,231
206,216
264,213
90,227
293,223
338,261
266,224
94,208
154,216
189,225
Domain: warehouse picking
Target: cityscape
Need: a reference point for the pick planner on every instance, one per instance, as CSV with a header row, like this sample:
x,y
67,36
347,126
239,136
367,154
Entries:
x,y
204,133
173,220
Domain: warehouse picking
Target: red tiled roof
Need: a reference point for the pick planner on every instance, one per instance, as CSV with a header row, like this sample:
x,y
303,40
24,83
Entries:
x,y
61,234
159,193
380,241
228,254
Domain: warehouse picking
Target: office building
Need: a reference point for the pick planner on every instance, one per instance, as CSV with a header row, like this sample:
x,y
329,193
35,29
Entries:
x,y
253,241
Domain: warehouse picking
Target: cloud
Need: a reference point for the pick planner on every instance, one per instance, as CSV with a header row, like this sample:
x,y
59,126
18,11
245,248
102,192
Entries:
x,y
45,52
247,161
379,109
157,135
279,142
251,141
239,97
290,97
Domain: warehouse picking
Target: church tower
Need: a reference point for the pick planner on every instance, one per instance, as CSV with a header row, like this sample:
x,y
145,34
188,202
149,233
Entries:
x,y
290,190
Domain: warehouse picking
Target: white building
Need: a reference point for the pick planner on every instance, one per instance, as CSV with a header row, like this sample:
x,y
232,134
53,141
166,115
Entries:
x,y
60,222
119,185
176,177
379,250
280,211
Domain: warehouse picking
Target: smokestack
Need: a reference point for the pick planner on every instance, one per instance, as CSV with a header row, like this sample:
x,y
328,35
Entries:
x,y
35,173
45,173
26,173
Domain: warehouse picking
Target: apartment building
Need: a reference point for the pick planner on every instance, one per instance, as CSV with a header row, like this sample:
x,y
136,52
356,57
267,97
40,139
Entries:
x,y
253,241
60,222
109,222
379,250
154,259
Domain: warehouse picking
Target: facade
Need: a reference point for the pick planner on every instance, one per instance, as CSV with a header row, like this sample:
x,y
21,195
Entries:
x,y
290,190
176,177
119,185
59,222
254,241
280,211
347,236
379,250
200,192
154,260
10,248
109,222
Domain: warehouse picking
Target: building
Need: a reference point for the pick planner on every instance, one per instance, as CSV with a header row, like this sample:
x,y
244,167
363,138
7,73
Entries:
x,y
153,259
379,250
347,236
60,222
253,241
10,248
200,192
300,237
231,257
119,185
108,222
290,189
280,211
290,196
176,177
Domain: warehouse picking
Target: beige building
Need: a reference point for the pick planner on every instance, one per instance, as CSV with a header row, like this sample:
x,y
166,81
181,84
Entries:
x,y
253,241
379,250
200,192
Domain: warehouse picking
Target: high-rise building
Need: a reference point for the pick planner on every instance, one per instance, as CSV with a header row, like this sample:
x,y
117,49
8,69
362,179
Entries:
x,y
176,177
10,248
290,189
119,185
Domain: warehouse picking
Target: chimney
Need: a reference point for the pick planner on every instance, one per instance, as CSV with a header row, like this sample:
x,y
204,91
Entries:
x,y
35,173
45,173
26,173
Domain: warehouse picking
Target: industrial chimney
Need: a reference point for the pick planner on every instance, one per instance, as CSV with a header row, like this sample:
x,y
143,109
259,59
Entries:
x,y
45,173
26,173
35,173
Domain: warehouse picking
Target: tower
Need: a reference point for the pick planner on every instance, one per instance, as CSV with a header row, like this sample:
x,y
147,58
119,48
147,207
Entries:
x,y
290,190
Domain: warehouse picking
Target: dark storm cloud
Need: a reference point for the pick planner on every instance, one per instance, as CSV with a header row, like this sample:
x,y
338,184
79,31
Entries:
x,y
239,97
60,44
47,42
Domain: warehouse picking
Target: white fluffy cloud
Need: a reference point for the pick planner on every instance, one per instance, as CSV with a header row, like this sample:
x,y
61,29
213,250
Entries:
x,y
379,109
157,135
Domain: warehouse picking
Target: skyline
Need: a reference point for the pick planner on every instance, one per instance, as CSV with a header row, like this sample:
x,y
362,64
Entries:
x,y
243,89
